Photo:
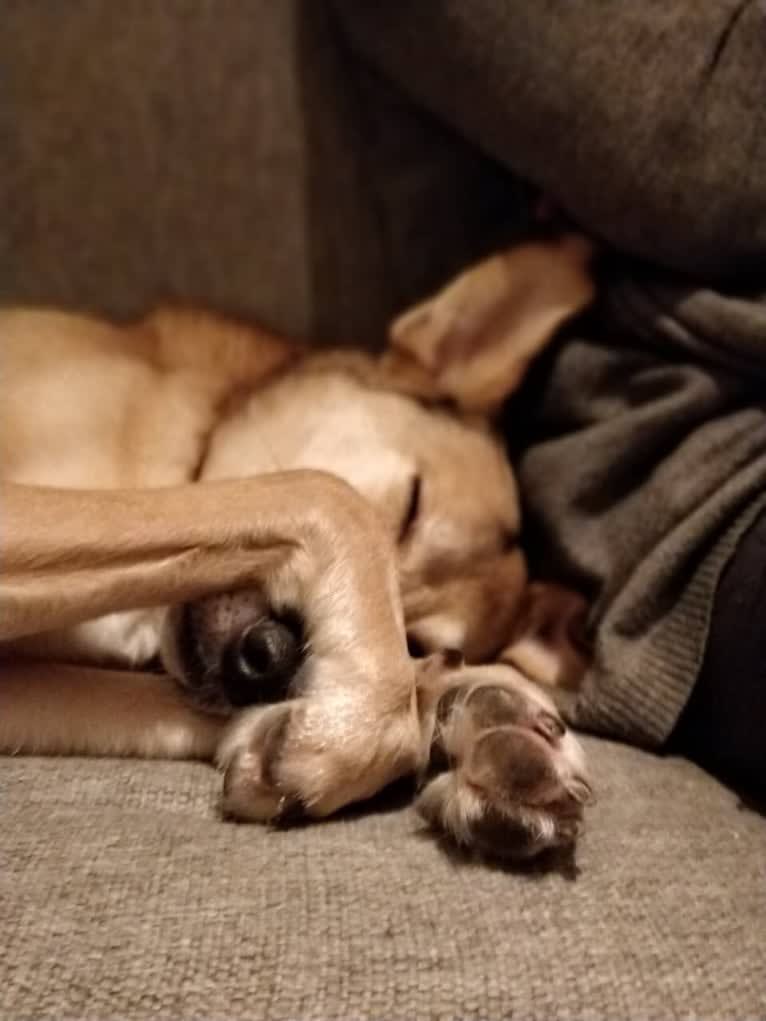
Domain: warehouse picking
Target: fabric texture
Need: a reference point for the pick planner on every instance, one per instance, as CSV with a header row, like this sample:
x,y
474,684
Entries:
x,y
646,121
647,464
193,152
186,152
123,896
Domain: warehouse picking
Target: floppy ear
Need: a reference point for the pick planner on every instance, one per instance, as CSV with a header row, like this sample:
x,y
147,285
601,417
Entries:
x,y
476,337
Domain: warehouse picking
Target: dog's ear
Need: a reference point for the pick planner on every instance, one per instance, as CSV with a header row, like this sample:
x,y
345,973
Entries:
x,y
549,641
476,337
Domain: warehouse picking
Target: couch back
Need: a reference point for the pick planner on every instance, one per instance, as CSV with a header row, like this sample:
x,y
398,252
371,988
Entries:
x,y
227,154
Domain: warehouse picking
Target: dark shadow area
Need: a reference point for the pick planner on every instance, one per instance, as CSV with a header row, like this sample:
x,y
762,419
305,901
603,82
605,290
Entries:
x,y
555,861
397,202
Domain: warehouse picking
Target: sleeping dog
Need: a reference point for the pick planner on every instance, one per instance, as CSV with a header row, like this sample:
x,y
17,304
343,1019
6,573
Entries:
x,y
315,627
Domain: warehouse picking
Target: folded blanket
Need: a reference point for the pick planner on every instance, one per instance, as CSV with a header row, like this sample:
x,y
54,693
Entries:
x,y
646,465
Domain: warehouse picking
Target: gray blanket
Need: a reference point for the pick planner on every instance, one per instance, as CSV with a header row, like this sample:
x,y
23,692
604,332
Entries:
x,y
647,465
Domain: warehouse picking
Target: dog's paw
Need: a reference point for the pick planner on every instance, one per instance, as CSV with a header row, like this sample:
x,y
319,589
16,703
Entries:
x,y
515,782
309,757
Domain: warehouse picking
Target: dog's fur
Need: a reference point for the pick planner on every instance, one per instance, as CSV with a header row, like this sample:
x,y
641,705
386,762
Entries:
x,y
322,577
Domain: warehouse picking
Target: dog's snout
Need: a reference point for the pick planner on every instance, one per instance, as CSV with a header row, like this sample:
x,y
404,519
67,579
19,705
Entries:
x,y
260,663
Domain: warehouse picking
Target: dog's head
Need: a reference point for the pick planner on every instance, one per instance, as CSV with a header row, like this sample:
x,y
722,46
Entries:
x,y
411,430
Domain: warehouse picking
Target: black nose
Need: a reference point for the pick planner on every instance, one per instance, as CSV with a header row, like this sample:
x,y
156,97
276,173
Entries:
x,y
260,663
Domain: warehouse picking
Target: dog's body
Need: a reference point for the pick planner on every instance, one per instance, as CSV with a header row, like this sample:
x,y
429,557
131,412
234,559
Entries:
x,y
312,638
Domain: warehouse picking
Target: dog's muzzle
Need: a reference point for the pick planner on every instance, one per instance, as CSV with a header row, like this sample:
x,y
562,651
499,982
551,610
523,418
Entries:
x,y
234,650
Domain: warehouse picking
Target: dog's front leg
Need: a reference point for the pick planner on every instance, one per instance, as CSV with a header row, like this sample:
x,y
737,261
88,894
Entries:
x,y
352,727
70,555
312,544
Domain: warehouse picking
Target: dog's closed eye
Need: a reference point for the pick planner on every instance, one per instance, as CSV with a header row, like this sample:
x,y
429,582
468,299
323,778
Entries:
x,y
413,508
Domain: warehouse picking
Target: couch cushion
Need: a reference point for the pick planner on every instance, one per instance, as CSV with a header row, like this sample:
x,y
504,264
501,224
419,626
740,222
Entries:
x,y
644,120
124,896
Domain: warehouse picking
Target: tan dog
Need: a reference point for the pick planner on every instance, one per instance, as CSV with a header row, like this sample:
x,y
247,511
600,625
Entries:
x,y
121,562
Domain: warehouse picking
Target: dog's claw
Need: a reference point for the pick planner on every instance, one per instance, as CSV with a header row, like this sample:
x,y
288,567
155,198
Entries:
x,y
550,727
303,759
249,757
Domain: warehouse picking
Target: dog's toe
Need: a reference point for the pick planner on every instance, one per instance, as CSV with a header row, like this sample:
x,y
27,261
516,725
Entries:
x,y
515,783
310,757
250,758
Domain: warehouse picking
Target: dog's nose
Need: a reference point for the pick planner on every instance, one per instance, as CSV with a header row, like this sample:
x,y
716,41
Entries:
x,y
260,663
